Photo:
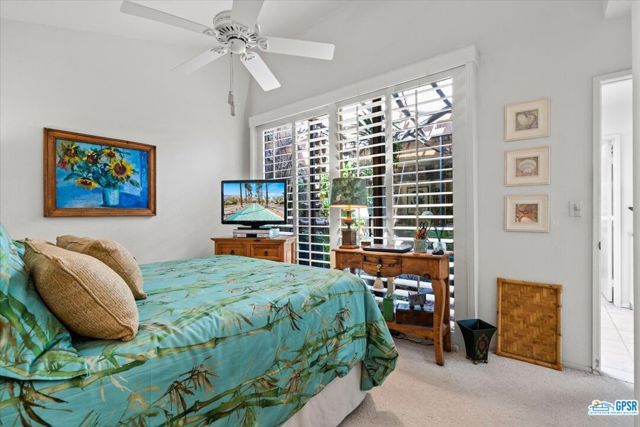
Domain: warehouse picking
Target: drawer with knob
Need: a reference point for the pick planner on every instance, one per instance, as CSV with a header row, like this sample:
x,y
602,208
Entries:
x,y
389,266
265,251
231,249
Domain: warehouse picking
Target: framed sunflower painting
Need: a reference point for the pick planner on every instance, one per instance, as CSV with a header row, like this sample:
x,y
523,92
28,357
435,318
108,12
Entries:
x,y
88,175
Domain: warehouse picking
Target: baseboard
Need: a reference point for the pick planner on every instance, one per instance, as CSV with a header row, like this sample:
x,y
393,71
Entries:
x,y
578,367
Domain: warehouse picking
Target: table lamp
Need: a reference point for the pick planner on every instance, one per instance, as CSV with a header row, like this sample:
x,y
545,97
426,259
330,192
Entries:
x,y
348,194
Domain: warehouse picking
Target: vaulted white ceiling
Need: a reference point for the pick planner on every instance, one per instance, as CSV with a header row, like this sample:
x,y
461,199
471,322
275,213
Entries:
x,y
281,18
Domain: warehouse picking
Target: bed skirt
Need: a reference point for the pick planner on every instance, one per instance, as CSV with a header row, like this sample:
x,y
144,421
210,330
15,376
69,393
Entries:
x,y
330,407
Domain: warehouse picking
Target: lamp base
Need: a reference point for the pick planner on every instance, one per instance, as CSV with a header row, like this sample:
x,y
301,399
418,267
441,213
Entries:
x,y
349,239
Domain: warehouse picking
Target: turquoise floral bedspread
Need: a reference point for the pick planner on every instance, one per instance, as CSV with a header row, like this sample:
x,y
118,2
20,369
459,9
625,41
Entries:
x,y
223,341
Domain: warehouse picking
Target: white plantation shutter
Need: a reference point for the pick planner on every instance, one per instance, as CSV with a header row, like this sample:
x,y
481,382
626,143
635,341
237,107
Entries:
x,y
312,192
299,152
399,140
421,162
361,148
421,136
278,158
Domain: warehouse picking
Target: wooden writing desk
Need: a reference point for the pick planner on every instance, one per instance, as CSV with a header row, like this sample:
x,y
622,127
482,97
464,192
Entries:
x,y
435,267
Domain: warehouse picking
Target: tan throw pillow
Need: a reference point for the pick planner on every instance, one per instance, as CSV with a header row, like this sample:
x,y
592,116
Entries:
x,y
86,295
111,253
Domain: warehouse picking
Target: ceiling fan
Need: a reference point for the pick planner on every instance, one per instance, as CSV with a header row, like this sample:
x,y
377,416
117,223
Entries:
x,y
237,33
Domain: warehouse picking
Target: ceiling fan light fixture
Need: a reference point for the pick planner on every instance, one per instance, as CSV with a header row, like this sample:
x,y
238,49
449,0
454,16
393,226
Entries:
x,y
237,46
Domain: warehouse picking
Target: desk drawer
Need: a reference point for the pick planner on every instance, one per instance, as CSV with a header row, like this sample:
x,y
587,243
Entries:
x,y
231,249
265,251
391,265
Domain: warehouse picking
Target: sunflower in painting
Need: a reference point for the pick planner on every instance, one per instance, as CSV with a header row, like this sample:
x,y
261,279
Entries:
x,y
86,183
92,157
110,153
120,169
68,155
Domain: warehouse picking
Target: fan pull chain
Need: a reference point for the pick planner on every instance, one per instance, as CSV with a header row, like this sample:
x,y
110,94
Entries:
x,y
230,100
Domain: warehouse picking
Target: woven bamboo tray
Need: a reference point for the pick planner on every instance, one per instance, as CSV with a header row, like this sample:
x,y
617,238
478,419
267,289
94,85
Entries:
x,y
529,322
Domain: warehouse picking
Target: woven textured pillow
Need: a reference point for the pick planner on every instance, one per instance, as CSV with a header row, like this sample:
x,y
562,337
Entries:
x,y
34,345
112,253
87,296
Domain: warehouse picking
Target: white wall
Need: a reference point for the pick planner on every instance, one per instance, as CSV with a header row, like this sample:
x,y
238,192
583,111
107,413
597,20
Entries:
x,y
617,119
122,88
527,50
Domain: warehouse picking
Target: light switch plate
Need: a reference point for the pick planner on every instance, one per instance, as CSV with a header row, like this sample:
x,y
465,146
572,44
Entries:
x,y
575,209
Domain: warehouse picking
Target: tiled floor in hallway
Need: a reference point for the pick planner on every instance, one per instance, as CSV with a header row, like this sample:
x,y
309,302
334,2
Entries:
x,y
616,341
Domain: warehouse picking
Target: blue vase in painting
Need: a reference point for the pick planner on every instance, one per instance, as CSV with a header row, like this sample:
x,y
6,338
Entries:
x,y
111,196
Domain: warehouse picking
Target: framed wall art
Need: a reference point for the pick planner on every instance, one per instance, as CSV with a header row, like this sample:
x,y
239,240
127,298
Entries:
x,y
527,167
87,175
526,120
528,212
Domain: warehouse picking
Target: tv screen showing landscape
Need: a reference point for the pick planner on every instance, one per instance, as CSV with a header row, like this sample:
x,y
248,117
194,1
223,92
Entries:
x,y
249,202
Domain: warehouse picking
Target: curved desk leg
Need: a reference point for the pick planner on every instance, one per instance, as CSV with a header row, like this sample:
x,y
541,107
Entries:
x,y
439,293
447,341
447,317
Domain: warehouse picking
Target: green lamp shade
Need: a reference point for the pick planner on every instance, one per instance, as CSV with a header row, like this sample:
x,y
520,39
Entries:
x,y
348,193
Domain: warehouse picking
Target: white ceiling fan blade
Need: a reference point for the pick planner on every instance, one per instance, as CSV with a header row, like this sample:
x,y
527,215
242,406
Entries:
x,y
298,48
260,71
246,11
201,60
135,9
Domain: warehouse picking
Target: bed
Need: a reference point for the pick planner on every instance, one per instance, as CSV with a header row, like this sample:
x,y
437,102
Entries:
x,y
223,341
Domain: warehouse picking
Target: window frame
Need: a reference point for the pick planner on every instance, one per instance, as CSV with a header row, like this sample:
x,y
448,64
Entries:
x,y
462,65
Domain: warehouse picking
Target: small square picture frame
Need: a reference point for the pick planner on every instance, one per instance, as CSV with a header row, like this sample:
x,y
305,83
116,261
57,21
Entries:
x,y
526,120
527,213
527,167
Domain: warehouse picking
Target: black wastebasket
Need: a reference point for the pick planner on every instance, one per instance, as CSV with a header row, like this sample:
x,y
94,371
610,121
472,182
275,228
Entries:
x,y
477,337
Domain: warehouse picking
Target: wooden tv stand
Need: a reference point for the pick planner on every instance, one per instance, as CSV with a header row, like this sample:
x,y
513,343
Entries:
x,y
282,249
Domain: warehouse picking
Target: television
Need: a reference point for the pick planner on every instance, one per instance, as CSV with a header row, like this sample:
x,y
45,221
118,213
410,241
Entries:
x,y
254,203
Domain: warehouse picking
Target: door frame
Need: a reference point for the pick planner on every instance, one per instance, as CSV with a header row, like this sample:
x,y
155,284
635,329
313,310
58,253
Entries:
x,y
598,81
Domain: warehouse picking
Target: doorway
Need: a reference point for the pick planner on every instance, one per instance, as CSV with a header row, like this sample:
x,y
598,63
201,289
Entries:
x,y
613,226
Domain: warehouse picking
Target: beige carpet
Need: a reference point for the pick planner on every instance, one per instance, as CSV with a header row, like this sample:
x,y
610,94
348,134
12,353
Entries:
x,y
503,392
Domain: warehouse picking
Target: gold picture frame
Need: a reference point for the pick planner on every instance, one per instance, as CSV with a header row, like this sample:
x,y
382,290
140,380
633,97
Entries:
x,y
527,167
92,176
526,120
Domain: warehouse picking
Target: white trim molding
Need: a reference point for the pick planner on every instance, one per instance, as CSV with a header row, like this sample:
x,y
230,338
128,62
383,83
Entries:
x,y
415,71
598,81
